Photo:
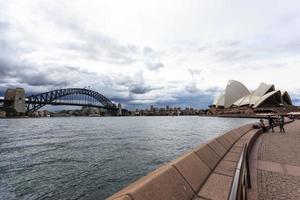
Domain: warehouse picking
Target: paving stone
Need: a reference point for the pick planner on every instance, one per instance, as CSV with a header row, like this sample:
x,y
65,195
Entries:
x,y
168,184
232,156
232,135
236,149
277,186
216,187
226,168
139,182
208,156
282,147
192,169
292,170
269,166
241,143
222,140
232,139
279,164
238,133
217,147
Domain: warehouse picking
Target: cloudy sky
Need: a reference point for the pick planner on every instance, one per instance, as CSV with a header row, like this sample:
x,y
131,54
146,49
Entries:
x,y
138,52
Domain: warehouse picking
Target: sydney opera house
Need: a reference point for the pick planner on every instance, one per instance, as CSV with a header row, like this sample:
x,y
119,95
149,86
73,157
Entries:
x,y
237,95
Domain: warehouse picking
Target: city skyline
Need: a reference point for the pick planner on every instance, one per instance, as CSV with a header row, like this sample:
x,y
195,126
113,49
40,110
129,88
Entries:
x,y
140,53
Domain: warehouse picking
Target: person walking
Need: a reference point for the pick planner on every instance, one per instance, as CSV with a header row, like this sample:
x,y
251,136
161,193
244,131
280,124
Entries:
x,y
281,124
271,123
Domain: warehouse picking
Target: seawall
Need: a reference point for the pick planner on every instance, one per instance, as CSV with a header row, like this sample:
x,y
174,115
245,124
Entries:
x,y
205,172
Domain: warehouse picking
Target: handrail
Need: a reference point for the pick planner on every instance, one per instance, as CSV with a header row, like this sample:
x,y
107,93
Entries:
x,y
241,181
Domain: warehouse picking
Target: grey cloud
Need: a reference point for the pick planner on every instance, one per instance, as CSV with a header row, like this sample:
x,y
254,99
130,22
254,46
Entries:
x,y
263,48
258,67
180,99
189,96
92,44
196,97
232,55
101,48
196,101
295,96
148,51
4,69
139,89
97,46
136,84
288,19
4,25
195,71
213,90
192,88
291,46
230,43
50,77
30,75
154,66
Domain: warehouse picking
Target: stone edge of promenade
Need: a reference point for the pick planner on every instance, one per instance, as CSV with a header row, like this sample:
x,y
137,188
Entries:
x,y
205,172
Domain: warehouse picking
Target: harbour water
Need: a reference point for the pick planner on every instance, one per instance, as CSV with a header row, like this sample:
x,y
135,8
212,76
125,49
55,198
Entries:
x,y
92,158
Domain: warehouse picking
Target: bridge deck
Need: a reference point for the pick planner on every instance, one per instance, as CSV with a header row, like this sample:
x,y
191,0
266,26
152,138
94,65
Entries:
x,y
275,165
68,104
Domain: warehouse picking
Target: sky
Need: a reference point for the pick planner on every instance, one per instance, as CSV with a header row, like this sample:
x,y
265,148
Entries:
x,y
142,53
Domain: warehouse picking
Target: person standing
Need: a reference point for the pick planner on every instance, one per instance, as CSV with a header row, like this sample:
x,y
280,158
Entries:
x,y
281,124
271,123
262,125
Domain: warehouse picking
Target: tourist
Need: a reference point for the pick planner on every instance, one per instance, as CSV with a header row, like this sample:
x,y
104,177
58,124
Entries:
x,y
262,125
271,123
281,123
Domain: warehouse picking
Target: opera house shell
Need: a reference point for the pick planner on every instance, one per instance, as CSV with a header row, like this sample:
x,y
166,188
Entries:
x,y
238,95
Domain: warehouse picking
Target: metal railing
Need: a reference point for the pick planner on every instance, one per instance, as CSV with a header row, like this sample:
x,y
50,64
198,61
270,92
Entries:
x,y
241,180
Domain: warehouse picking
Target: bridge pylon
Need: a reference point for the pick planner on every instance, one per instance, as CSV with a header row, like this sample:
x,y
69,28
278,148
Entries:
x,y
15,99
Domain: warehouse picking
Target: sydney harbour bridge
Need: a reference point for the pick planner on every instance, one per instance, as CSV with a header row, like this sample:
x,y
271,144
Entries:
x,y
16,99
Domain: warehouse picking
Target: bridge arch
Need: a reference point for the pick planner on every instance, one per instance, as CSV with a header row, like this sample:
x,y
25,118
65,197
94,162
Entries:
x,y
35,102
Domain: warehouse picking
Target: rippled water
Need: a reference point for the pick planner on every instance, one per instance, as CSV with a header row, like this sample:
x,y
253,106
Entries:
x,y
91,158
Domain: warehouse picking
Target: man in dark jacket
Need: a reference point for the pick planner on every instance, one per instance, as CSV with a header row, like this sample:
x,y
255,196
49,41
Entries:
x,y
271,123
281,124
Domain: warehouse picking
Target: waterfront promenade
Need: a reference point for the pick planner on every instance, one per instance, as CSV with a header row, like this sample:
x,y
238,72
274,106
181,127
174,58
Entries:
x,y
214,169
275,165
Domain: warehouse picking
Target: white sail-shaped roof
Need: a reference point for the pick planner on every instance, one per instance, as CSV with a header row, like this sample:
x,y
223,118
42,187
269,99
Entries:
x,y
263,89
286,99
236,94
240,101
234,91
256,95
254,99
275,95
219,101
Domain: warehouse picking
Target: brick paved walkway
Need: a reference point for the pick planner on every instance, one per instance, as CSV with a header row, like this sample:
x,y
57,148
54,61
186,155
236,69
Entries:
x,y
275,165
